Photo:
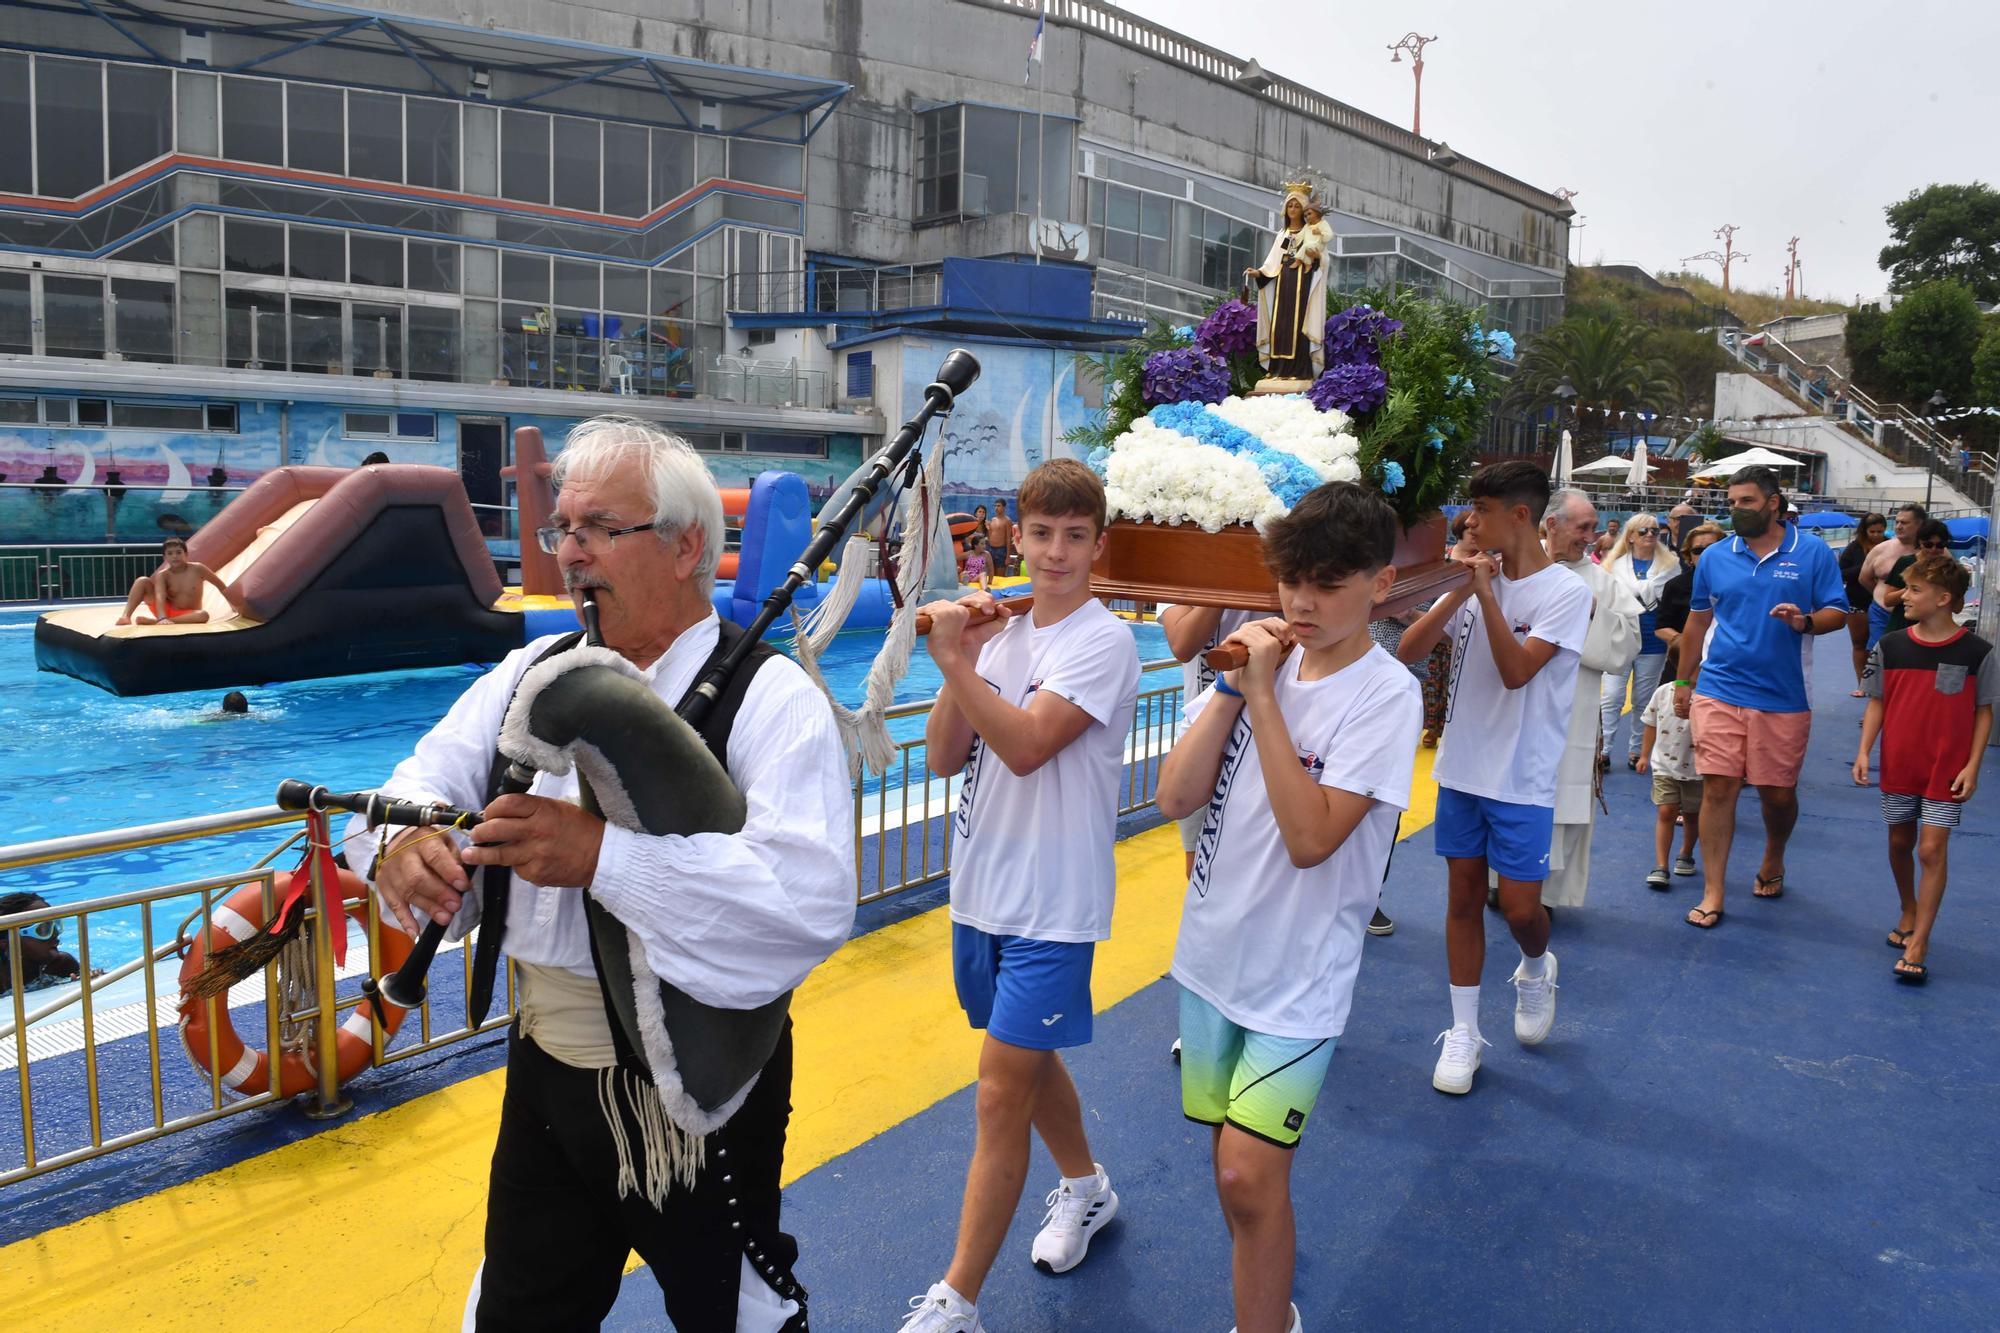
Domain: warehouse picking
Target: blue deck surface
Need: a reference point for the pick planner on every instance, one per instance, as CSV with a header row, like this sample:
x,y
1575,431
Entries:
x,y
1754,1127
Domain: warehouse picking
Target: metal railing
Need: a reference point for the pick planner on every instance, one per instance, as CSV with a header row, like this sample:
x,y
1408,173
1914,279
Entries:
x,y
31,574
304,998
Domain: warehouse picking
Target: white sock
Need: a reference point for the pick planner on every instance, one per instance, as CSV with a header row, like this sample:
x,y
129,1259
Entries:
x,y
1089,1184
1534,969
1465,1008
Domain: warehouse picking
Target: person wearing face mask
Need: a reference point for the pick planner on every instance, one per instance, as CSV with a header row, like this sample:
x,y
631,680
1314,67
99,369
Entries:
x,y
1759,599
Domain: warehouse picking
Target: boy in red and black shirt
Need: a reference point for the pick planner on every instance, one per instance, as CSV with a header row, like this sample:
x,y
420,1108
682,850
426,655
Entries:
x,y
1931,690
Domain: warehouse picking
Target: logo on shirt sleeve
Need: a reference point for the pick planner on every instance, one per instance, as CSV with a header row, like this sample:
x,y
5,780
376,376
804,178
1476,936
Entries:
x,y
1312,763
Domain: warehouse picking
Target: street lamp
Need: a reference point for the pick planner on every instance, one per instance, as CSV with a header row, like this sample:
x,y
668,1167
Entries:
x,y
1936,405
1414,43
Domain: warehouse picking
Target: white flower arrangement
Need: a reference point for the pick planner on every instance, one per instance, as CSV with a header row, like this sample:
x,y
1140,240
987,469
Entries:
x,y
1160,474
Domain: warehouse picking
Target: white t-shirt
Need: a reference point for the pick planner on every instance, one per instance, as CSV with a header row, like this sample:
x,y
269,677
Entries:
x,y
1276,948
1673,742
1034,854
1505,744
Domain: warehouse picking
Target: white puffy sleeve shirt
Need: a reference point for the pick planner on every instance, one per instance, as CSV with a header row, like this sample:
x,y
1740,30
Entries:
x,y
735,920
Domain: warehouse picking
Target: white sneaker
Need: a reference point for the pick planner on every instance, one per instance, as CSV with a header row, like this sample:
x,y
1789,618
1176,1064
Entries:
x,y
1459,1060
940,1310
1535,1002
1072,1220
1296,1327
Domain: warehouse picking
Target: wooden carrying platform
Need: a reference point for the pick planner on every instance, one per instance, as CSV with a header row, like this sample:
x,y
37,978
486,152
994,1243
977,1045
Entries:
x,y
1152,562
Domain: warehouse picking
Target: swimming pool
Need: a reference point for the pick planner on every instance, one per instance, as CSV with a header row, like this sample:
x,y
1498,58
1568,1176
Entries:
x,y
79,760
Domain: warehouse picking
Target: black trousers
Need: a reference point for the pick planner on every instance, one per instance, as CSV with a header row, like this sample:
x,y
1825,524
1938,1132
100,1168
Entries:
x,y
557,1234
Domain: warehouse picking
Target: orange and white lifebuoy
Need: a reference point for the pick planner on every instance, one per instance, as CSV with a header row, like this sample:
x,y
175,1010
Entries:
x,y
245,1070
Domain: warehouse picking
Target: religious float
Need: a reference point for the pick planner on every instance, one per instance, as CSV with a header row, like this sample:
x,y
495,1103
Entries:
x,y
1211,429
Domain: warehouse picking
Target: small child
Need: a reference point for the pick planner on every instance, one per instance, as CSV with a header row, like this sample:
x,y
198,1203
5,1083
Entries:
x,y
1316,237
1931,690
1303,760
1035,711
977,569
1667,752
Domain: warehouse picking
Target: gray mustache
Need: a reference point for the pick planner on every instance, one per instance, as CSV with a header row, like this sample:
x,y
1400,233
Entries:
x,y
575,580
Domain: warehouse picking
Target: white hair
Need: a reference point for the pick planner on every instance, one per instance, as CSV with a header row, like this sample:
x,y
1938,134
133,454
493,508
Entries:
x,y
682,491
1559,504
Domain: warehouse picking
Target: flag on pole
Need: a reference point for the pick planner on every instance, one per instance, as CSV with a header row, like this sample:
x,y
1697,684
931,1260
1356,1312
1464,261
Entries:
x,y
1035,48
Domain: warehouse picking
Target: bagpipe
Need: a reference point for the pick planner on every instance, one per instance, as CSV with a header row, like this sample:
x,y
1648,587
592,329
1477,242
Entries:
x,y
645,767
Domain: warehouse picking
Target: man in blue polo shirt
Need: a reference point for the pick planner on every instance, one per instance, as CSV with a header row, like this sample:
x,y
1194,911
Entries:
x,y
1766,592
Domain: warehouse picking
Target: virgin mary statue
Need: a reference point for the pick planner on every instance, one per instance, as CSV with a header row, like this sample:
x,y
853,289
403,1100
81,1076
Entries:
x,y
1291,300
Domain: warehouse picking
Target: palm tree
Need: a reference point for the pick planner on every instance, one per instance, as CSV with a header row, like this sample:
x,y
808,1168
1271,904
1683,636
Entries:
x,y
1609,362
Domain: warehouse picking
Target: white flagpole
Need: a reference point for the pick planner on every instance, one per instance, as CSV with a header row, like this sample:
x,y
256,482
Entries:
x,y
1041,135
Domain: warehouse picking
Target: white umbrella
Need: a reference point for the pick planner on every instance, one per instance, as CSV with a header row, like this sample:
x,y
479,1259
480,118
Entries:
x,y
1560,472
1748,458
1608,463
1637,476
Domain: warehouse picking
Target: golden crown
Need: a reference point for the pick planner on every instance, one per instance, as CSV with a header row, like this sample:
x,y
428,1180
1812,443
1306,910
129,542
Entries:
x,y
1299,187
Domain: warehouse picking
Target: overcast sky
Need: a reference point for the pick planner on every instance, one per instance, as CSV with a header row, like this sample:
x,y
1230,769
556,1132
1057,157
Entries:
x,y
1669,120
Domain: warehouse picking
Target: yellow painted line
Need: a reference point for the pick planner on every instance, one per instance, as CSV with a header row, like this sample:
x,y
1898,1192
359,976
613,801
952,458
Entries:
x,y
378,1222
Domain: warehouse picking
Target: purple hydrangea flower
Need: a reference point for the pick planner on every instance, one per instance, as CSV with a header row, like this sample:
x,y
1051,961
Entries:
x,y
1354,387
1186,375
1357,334
1229,330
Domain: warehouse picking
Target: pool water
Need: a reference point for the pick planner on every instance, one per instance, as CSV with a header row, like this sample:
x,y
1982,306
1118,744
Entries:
x,y
79,760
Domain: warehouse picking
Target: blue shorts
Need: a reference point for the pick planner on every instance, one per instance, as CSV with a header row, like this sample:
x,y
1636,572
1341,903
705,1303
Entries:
x,y
1513,838
1878,623
1034,994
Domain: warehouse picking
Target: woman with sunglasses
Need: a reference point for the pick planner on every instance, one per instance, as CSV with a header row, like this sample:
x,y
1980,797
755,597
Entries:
x,y
1644,565
42,963
1871,532
1933,538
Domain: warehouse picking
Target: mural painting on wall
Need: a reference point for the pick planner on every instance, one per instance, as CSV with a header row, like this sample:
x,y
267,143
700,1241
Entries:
x,y
1010,422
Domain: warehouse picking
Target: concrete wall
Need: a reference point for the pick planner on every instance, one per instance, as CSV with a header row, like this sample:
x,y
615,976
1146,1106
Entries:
x,y
901,55
1852,468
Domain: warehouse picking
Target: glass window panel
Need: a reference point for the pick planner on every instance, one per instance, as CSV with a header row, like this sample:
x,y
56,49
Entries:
x,y
576,284
673,165
73,316
992,160
1153,215
253,120
524,156
253,247
312,128
1120,247
795,446
158,416
154,248
59,411
316,336
1121,208
625,170
319,254
1058,168
433,267
432,143
524,277
434,340
375,135
144,327
777,164
141,114
17,318
220,417
375,261
624,288
378,339
69,126
17,159
93,412
19,411
578,158
524,346
364,425
416,425
673,294
709,158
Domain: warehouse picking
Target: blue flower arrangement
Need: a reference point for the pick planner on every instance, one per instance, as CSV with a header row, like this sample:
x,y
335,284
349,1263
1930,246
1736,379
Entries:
x,y
1288,477
1392,477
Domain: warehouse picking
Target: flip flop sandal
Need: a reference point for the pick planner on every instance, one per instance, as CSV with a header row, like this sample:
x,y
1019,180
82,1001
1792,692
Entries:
x,y
1714,918
1760,882
1912,974
1895,943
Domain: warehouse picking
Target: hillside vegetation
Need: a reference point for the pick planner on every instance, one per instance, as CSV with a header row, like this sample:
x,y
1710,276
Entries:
x,y
1753,308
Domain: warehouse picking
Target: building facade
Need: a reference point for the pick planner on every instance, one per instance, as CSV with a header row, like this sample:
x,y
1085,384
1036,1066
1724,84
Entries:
x,y
283,232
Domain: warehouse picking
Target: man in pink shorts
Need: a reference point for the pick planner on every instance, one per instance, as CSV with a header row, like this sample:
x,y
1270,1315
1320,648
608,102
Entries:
x,y
1766,592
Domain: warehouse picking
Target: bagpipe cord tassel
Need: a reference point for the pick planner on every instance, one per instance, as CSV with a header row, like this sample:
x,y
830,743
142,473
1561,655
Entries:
x,y
668,1155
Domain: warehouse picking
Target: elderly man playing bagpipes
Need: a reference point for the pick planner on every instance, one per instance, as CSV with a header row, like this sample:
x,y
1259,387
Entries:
x,y
656,944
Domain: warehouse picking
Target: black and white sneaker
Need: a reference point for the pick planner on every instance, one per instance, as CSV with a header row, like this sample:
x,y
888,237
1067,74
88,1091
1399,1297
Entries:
x,y
1656,878
1074,1217
1381,924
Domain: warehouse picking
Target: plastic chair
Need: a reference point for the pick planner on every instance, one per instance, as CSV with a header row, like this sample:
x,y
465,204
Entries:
x,y
619,371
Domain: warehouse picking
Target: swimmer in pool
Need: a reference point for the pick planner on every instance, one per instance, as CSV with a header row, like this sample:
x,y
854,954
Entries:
x,y
172,593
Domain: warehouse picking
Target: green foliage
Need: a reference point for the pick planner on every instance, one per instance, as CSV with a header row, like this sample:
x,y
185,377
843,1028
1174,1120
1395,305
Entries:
x,y
1986,365
1441,387
1945,232
1930,339
1866,327
1708,443
1124,375
1610,361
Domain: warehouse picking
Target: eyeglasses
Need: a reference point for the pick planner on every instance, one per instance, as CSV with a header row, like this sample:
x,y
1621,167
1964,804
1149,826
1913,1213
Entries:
x,y
591,538
1934,545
